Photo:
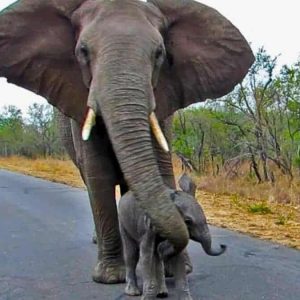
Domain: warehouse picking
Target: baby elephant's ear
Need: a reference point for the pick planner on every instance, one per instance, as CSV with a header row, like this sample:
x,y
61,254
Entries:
x,y
207,55
37,45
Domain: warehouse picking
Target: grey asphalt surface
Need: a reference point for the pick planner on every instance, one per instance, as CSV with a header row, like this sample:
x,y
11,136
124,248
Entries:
x,y
46,252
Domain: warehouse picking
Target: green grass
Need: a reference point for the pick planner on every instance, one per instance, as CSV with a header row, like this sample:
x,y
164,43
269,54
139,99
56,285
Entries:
x,y
259,208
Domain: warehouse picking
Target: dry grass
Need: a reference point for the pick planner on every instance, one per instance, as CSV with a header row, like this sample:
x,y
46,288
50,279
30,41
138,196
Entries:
x,y
283,191
277,222
273,214
55,170
264,211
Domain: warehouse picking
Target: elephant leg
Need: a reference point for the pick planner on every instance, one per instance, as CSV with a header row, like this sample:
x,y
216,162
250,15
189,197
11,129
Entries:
x,y
97,167
181,281
166,170
65,134
160,276
123,190
147,248
110,265
131,256
66,137
188,263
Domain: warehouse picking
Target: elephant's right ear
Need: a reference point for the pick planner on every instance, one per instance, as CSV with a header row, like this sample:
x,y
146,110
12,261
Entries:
x,y
207,55
37,45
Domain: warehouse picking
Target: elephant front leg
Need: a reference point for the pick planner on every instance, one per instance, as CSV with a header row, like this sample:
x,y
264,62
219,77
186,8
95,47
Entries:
x,y
181,281
110,266
149,267
131,256
123,191
96,162
162,291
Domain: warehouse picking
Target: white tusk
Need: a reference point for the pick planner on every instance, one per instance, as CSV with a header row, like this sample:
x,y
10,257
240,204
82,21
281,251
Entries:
x,y
89,123
158,133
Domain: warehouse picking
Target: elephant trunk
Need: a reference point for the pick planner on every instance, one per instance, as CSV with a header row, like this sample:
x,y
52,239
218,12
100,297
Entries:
x,y
123,98
207,245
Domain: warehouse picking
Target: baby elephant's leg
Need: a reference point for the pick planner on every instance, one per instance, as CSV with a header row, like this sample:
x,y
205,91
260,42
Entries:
x,y
160,276
131,257
181,281
147,247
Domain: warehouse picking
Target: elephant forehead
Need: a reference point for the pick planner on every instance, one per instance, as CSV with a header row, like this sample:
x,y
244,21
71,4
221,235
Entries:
x,y
116,4
91,9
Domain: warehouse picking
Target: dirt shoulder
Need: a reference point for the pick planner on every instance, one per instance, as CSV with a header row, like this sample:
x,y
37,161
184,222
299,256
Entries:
x,y
55,170
270,221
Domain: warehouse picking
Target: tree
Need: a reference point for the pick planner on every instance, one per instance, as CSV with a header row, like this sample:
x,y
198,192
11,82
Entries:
x,y
42,129
11,129
35,136
257,123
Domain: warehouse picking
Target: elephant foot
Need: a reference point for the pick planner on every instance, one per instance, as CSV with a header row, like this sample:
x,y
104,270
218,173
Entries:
x,y
163,290
109,273
163,293
132,290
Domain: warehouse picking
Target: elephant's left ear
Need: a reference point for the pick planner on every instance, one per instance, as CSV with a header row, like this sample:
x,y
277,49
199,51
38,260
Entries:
x,y
37,43
207,55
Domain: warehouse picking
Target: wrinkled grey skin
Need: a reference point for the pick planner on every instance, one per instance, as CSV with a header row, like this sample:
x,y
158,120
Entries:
x,y
124,59
185,183
70,136
139,239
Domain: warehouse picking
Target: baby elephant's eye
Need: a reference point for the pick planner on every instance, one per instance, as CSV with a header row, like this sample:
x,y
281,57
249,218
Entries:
x,y
188,221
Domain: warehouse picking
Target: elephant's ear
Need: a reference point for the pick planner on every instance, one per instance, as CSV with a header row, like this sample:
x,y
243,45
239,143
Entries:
x,y
37,52
207,55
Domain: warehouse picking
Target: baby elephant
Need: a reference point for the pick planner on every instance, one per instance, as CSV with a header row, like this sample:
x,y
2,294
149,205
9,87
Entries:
x,y
140,239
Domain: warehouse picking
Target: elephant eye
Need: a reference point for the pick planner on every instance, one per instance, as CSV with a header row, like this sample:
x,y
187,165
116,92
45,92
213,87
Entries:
x,y
84,51
188,221
159,54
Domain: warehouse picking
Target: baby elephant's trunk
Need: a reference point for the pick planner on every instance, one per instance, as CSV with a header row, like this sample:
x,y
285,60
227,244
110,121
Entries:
x,y
207,247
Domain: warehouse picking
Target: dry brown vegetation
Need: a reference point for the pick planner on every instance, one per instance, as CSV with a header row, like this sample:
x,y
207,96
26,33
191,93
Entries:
x,y
264,211
283,190
55,170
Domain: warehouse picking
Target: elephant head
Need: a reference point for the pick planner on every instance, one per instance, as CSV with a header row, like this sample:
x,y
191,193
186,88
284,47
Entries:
x,y
120,60
195,220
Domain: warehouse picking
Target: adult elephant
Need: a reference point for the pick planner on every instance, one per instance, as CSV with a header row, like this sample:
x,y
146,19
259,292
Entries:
x,y
110,64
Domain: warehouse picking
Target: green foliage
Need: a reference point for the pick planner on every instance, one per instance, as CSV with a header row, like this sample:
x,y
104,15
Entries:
x,y
36,136
259,208
11,129
257,124
200,136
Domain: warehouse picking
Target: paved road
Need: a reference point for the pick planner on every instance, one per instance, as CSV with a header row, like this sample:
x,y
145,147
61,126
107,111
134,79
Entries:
x,y
46,252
